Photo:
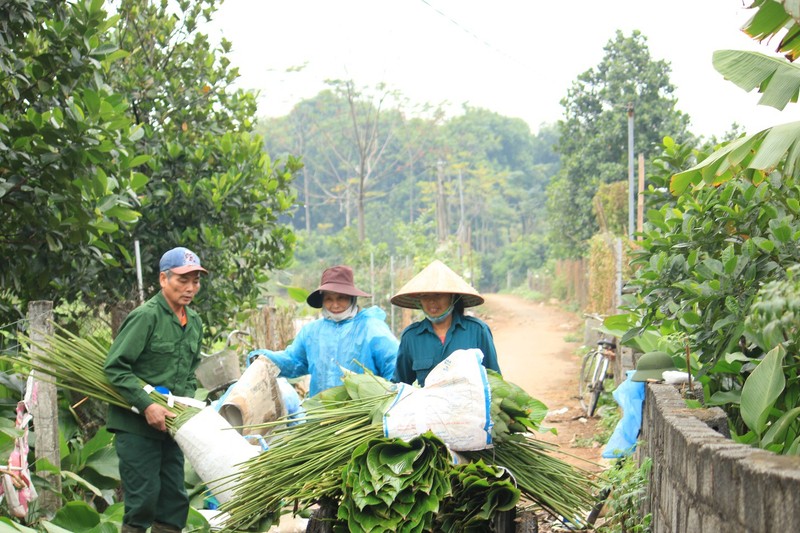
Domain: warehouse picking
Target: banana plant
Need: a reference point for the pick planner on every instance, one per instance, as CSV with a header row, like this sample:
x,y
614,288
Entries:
x,y
756,156
770,428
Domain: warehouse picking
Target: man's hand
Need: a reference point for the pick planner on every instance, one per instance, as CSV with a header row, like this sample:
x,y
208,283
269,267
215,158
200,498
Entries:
x,y
156,416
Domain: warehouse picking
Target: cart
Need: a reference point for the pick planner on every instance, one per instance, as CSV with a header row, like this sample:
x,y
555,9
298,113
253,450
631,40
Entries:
x,y
514,521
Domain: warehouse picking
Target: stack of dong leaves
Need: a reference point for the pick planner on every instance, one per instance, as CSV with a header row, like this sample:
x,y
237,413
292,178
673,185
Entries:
x,y
339,452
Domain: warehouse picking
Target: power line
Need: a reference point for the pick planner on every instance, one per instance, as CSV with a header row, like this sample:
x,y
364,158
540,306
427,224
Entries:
x,y
475,36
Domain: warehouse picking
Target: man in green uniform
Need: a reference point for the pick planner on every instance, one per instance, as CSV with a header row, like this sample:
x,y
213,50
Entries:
x,y
158,344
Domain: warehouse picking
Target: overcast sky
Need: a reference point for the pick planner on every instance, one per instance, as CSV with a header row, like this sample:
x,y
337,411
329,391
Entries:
x,y
515,57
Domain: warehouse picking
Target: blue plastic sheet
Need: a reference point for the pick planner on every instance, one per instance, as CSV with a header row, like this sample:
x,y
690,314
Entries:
x,y
630,397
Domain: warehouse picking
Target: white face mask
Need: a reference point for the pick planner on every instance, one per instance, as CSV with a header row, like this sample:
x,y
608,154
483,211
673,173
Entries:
x,y
350,312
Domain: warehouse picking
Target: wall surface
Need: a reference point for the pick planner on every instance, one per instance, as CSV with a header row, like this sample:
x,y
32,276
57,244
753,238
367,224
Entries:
x,y
702,481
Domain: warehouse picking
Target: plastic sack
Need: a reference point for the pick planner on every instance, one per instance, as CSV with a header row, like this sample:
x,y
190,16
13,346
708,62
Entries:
x,y
630,397
214,451
453,404
255,399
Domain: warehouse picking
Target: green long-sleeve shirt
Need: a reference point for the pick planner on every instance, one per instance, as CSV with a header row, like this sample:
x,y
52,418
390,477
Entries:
x,y
151,346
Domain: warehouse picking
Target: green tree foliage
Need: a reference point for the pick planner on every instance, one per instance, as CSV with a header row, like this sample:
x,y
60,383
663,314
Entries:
x,y
471,184
67,184
719,265
703,263
123,129
211,187
594,134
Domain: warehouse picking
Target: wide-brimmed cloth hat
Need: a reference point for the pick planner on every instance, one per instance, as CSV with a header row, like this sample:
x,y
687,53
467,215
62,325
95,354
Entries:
x,y
436,278
651,366
335,279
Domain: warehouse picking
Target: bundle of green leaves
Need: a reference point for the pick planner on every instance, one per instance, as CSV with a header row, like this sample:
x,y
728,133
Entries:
x,y
479,491
512,409
391,485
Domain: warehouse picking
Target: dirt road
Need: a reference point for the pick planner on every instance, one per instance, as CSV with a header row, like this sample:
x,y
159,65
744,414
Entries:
x,y
536,349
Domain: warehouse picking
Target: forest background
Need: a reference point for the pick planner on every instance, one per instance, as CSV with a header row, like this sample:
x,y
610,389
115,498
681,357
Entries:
x,y
120,126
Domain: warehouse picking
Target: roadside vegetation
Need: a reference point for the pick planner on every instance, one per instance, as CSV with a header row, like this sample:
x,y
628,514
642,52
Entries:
x,y
123,134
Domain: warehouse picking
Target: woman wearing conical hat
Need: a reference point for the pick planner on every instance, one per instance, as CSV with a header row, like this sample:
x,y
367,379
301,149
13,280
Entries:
x,y
442,295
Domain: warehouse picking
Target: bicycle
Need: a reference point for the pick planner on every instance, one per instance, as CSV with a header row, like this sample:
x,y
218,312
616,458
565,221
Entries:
x,y
594,371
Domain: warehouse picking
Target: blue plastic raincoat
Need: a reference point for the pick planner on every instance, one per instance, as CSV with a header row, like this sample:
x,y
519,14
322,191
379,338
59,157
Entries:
x,y
630,397
323,346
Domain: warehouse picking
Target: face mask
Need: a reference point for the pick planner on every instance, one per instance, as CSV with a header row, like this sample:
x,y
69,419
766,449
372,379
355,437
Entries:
x,y
443,316
350,312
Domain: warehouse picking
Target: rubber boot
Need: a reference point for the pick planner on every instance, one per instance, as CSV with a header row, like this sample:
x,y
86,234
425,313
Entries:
x,y
158,527
132,529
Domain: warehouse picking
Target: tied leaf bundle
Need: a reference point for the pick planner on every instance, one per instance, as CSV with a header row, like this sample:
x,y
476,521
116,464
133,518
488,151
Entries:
x,y
512,409
478,492
391,485
76,364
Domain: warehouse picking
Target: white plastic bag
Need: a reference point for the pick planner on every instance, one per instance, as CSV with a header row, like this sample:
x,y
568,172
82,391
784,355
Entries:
x,y
454,404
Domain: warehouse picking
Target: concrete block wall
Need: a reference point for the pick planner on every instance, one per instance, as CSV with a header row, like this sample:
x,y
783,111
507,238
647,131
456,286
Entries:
x,y
701,481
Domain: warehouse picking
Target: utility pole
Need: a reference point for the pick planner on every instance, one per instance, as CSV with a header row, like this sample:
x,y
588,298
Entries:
x,y
462,229
307,201
631,194
441,208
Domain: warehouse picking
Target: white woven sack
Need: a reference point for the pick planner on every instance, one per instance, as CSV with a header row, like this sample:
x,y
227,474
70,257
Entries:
x,y
215,451
453,404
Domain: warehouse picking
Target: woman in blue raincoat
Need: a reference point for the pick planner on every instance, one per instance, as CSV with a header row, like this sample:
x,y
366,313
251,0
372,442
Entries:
x,y
346,336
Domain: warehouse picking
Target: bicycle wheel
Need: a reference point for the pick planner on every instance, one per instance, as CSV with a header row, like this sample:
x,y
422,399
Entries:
x,y
601,370
587,378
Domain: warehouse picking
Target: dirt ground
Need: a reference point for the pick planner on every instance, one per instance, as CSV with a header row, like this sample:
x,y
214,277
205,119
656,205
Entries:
x,y
537,349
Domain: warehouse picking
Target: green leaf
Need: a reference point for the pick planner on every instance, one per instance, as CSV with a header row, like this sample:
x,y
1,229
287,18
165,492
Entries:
x,y
777,79
8,525
105,462
776,434
725,398
764,244
138,160
762,387
297,294
76,516
82,482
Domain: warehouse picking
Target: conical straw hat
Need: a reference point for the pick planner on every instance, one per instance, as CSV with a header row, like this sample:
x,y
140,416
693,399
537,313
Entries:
x,y
436,277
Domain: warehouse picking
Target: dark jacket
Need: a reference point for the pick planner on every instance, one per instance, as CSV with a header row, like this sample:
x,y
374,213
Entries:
x,y
152,348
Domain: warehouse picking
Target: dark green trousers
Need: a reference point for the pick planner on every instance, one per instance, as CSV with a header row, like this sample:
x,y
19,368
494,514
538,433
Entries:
x,y
152,481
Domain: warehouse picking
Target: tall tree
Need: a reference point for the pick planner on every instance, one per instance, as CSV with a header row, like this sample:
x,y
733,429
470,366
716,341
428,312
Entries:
x,y
593,139
211,186
365,145
67,184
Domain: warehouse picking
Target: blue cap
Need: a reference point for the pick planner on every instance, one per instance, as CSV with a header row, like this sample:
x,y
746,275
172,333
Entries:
x,y
180,261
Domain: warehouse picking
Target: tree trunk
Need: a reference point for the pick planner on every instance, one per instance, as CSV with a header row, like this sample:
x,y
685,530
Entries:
x,y
119,312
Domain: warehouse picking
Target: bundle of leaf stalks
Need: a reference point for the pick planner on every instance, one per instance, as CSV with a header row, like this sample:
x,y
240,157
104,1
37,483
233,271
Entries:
x,y
304,463
391,485
76,364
